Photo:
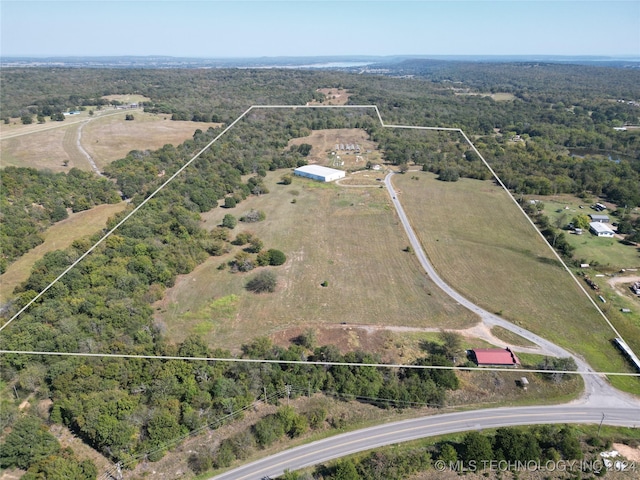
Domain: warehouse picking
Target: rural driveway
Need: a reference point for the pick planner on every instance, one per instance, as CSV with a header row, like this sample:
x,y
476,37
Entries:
x,y
597,392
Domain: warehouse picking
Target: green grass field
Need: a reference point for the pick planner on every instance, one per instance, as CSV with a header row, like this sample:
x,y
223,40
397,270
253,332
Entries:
x,y
481,244
349,237
609,253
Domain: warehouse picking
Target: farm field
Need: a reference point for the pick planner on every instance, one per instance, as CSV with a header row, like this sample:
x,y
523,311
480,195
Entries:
x,y
481,244
57,237
106,137
349,237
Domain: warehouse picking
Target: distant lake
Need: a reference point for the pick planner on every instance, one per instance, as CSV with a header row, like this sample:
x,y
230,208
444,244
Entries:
x,y
318,65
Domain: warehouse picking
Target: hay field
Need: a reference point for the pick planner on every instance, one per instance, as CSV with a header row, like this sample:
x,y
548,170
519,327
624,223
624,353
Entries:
x,y
483,246
111,138
333,96
106,137
57,237
349,237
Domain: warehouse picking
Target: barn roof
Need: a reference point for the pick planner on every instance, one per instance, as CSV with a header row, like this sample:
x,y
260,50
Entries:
x,y
495,356
317,170
600,228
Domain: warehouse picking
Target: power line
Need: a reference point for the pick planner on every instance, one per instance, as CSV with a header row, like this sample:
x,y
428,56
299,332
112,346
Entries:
x,y
316,362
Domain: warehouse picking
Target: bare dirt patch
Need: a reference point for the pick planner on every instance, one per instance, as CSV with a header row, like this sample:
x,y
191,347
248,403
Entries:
x,y
330,147
628,452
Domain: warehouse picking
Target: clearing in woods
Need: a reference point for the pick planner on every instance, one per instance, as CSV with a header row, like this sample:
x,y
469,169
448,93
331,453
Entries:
x,y
324,152
349,237
481,244
57,237
332,96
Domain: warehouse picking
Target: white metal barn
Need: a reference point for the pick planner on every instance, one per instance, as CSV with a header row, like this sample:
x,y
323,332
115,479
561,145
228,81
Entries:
x,y
600,229
316,172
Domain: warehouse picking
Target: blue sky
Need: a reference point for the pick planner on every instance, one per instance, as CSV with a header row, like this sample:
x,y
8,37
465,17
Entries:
x,y
222,29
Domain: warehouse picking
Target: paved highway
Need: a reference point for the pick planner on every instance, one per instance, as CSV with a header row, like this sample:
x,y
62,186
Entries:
x,y
406,430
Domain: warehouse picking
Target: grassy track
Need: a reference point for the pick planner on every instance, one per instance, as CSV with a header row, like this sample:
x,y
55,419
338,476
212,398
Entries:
x,y
59,236
481,244
349,237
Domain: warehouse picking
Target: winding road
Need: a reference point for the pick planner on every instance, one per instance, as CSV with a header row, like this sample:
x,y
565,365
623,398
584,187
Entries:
x,y
600,403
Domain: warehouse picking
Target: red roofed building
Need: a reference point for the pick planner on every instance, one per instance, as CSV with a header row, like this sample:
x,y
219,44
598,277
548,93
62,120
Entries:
x,y
494,357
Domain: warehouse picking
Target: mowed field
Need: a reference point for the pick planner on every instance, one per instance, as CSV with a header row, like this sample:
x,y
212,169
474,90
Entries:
x,y
349,237
106,137
58,237
483,246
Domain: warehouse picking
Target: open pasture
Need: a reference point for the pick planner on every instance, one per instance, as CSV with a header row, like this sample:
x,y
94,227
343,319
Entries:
x,y
57,237
112,138
349,237
106,137
482,245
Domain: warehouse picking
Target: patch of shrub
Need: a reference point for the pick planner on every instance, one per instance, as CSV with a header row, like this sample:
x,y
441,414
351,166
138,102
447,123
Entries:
x,y
264,281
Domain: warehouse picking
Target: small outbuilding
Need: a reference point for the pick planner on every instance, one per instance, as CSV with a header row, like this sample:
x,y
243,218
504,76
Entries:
x,y
494,357
319,173
600,229
599,218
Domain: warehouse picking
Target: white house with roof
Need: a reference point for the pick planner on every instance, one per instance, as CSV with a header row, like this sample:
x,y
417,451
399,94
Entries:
x,y
600,229
317,172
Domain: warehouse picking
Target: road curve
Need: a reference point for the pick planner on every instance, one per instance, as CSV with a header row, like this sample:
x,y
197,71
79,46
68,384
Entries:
x,y
598,392
406,430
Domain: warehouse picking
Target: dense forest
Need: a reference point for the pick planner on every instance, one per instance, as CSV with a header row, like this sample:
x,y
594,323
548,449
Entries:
x,y
546,139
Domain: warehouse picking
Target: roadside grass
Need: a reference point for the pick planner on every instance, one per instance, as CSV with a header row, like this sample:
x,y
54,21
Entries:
x,y
510,337
348,237
608,253
57,237
482,245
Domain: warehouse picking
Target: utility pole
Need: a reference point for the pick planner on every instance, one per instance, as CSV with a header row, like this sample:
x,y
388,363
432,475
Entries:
x,y
288,389
600,426
265,395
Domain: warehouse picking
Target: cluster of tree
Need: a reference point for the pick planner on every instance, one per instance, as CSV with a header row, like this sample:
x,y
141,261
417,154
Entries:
x,y
32,200
30,446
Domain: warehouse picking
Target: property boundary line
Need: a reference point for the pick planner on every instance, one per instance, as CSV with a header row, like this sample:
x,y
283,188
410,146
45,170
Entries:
x,y
295,107
318,362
